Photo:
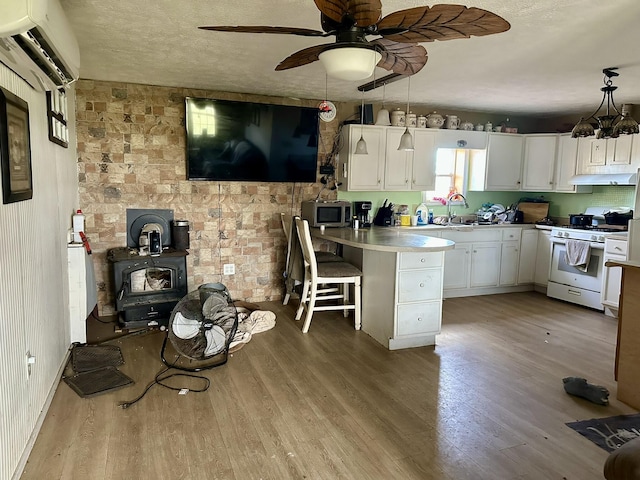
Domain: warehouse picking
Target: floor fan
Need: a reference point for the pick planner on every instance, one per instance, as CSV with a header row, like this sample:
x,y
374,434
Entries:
x,y
201,327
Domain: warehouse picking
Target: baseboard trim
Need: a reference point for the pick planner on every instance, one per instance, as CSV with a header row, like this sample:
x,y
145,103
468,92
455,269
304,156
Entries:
x,y
43,413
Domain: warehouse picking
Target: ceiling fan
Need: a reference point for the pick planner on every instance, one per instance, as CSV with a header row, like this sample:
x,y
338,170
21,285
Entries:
x,y
354,57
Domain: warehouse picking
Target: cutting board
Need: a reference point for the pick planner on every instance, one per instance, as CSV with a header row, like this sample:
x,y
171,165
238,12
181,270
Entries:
x,y
533,211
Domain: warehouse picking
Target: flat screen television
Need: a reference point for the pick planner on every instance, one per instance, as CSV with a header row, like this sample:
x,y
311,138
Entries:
x,y
241,141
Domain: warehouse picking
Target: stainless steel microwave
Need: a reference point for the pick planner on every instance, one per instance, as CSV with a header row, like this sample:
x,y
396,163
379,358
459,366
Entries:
x,y
329,214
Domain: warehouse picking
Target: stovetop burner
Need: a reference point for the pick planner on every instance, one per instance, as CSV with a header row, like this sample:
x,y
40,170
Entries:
x,y
598,228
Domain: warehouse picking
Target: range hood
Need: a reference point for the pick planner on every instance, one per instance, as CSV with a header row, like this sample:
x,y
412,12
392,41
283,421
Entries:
x,y
605,179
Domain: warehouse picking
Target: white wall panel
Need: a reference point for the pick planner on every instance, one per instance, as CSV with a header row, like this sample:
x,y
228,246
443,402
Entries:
x,y
33,280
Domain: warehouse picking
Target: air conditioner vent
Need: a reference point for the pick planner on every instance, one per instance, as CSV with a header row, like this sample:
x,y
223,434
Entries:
x,y
38,50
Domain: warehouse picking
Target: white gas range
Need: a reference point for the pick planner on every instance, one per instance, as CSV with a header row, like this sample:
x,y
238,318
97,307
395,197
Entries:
x,y
580,284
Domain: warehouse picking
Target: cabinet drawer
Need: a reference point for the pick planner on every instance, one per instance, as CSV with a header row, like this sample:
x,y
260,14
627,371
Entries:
x,y
511,234
419,318
420,285
418,260
617,247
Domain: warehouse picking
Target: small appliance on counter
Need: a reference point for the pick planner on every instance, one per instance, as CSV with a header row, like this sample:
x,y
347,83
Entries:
x,y
329,214
362,211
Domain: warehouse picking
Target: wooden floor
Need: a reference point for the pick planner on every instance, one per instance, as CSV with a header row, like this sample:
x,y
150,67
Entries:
x,y
486,402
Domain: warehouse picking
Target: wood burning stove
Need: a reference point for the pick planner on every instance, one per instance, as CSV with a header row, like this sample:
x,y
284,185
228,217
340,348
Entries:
x,y
147,287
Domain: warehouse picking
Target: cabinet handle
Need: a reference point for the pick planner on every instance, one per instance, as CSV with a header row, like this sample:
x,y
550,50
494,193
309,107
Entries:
x,y
421,284
419,319
424,259
617,248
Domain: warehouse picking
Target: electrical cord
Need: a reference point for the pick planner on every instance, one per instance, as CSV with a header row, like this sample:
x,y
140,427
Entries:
x,y
158,381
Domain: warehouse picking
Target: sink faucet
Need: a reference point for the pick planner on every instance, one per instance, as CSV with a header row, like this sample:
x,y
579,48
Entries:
x,y
449,199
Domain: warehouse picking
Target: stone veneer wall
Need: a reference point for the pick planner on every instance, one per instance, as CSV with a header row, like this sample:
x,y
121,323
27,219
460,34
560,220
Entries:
x,y
131,154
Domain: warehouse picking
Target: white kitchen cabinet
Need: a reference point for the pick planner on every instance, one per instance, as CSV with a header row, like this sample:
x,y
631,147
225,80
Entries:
x,y
485,265
423,166
614,250
543,258
362,172
509,259
504,162
611,155
457,264
567,166
527,257
384,167
598,152
622,152
410,170
539,162
397,167
468,139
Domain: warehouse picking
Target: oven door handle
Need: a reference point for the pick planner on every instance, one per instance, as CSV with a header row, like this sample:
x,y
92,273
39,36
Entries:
x,y
563,241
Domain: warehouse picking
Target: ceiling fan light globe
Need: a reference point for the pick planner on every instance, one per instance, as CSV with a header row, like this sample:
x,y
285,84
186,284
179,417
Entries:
x,y
350,63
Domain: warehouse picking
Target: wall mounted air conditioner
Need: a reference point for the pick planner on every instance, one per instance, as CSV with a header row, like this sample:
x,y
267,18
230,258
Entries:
x,y
36,41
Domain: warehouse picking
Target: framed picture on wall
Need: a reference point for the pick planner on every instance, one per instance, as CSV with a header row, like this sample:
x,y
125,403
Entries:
x,y
15,148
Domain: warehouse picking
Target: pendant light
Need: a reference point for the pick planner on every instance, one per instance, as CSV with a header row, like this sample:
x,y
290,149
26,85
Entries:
x,y
406,141
383,113
361,146
613,122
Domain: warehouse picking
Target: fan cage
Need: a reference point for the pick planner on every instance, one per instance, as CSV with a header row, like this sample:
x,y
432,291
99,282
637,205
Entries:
x,y
212,308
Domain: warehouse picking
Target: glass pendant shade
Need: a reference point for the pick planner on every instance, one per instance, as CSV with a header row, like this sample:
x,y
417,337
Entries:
x,y
361,147
350,63
406,141
626,126
582,129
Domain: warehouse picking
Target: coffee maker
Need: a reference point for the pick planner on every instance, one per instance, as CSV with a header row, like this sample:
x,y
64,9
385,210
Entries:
x,y
362,212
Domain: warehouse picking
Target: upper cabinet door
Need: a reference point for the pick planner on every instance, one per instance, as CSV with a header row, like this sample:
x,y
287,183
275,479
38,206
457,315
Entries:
x,y
566,163
504,161
362,172
539,162
423,168
622,153
397,167
598,152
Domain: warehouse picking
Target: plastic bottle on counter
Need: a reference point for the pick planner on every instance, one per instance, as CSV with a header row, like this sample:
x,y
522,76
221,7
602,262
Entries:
x,y
78,226
421,212
430,217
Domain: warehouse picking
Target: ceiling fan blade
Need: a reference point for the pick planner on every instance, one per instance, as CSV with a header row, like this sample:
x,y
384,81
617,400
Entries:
x,y
401,58
440,22
364,12
305,32
303,57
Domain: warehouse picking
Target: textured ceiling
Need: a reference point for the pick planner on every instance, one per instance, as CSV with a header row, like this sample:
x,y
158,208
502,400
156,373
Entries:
x,y
549,62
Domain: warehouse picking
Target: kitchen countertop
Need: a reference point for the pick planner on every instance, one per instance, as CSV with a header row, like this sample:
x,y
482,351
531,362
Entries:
x,y
461,226
385,239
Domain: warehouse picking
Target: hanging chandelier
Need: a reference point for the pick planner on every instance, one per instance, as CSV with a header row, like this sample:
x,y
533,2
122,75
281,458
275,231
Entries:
x,y
614,123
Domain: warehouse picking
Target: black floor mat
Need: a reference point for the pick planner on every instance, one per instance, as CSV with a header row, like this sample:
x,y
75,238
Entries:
x,y
95,382
85,358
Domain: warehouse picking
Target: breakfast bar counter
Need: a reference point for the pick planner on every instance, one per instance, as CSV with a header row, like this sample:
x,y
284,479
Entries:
x,y
627,367
401,284
385,239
